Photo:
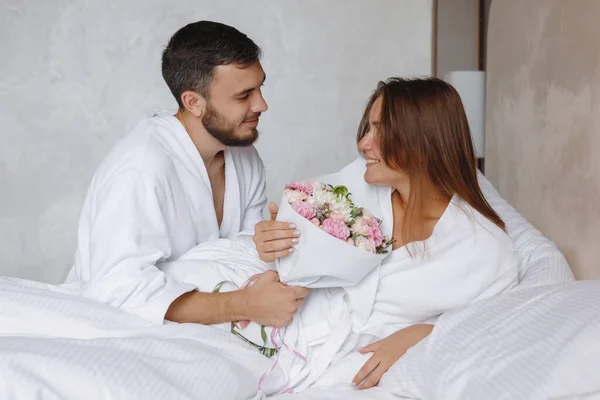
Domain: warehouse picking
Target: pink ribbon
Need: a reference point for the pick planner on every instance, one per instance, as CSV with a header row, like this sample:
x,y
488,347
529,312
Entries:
x,y
277,332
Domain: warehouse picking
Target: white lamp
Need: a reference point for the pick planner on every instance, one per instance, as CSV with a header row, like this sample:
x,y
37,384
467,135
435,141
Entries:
x,y
470,85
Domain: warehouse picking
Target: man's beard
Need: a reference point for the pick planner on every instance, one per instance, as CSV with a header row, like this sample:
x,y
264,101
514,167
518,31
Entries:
x,y
224,131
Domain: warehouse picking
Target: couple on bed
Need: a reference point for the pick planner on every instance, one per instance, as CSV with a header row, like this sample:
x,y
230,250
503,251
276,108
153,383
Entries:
x,y
192,178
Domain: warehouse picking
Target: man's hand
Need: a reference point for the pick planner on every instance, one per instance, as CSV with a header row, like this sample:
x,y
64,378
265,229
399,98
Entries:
x,y
271,303
274,239
386,352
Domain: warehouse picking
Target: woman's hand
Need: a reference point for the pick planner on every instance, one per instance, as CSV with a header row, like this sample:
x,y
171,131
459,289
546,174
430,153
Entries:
x,y
274,239
386,352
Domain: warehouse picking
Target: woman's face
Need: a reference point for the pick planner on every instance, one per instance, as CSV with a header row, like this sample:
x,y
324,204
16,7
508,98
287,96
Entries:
x,y
377,171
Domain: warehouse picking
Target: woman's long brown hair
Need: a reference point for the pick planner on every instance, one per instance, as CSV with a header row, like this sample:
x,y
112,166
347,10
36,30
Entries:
x,y
425,133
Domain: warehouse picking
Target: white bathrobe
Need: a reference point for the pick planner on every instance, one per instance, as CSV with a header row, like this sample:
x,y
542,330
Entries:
x,y
151,201
467,259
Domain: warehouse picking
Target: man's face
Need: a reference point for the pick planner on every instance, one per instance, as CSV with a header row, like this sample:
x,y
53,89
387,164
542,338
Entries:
x,y
235,104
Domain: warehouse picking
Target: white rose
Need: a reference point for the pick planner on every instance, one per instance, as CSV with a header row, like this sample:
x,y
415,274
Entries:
x,y
323,196
360,227
317,186
364,243
367,214
340,210
294,195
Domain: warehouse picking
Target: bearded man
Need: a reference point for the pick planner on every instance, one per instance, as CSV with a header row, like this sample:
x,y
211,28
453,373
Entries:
x,y
177,181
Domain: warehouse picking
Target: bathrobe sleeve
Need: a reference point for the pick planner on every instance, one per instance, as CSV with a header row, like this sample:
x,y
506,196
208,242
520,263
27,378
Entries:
x,y
254,196
127,237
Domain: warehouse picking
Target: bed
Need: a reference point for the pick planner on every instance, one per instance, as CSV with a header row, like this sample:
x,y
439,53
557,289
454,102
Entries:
x,y
539,341
54,345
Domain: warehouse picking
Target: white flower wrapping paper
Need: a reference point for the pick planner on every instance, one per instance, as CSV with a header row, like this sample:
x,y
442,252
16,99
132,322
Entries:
x,y
343,279
320,259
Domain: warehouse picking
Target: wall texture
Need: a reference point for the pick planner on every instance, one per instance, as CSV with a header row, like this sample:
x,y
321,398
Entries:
x,y
543,119
76,75
457,36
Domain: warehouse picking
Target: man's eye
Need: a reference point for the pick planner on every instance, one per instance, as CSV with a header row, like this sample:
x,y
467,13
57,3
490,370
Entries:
x,y
244,97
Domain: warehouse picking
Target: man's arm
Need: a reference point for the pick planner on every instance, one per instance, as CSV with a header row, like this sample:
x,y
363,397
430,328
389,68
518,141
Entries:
x,y
218,308
126,236
267,302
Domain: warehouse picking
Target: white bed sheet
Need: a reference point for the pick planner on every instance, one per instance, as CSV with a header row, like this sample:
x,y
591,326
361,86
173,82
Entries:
x,y
54,345
72,348
535,343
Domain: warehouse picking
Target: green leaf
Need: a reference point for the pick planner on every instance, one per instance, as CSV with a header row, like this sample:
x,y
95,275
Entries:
x,y
268,352
263,335
356,212
264,350
341,191
218,287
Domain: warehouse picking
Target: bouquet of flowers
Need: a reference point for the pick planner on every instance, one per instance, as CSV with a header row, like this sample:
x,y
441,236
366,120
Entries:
x,y
341,242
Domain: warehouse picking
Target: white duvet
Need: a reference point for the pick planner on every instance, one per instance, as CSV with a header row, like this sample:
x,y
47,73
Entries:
x,y
72,348
536,343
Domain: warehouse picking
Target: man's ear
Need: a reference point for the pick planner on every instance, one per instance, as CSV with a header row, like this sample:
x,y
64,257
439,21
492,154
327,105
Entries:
x,y
193,102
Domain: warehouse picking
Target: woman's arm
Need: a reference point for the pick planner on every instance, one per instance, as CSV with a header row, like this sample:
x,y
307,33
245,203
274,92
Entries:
x,y
386,352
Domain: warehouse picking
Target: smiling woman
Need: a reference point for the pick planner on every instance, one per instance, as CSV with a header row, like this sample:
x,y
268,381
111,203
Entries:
x,y
415,137
450,247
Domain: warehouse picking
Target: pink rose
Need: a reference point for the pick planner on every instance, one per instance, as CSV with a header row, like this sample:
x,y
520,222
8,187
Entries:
x,y
303,186
365,244
375,233
336,228
305,209
373,245
315,222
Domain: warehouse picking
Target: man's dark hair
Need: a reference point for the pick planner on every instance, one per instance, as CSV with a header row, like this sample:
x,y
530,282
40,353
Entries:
x,y
193,52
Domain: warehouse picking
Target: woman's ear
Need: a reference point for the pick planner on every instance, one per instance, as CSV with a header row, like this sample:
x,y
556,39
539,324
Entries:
x,y
193,102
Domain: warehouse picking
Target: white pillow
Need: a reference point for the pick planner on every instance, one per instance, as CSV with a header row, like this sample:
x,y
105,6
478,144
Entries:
x,y
536,343
541,262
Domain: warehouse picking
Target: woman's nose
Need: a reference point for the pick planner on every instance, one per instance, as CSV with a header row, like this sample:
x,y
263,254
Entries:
x,y
366,143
